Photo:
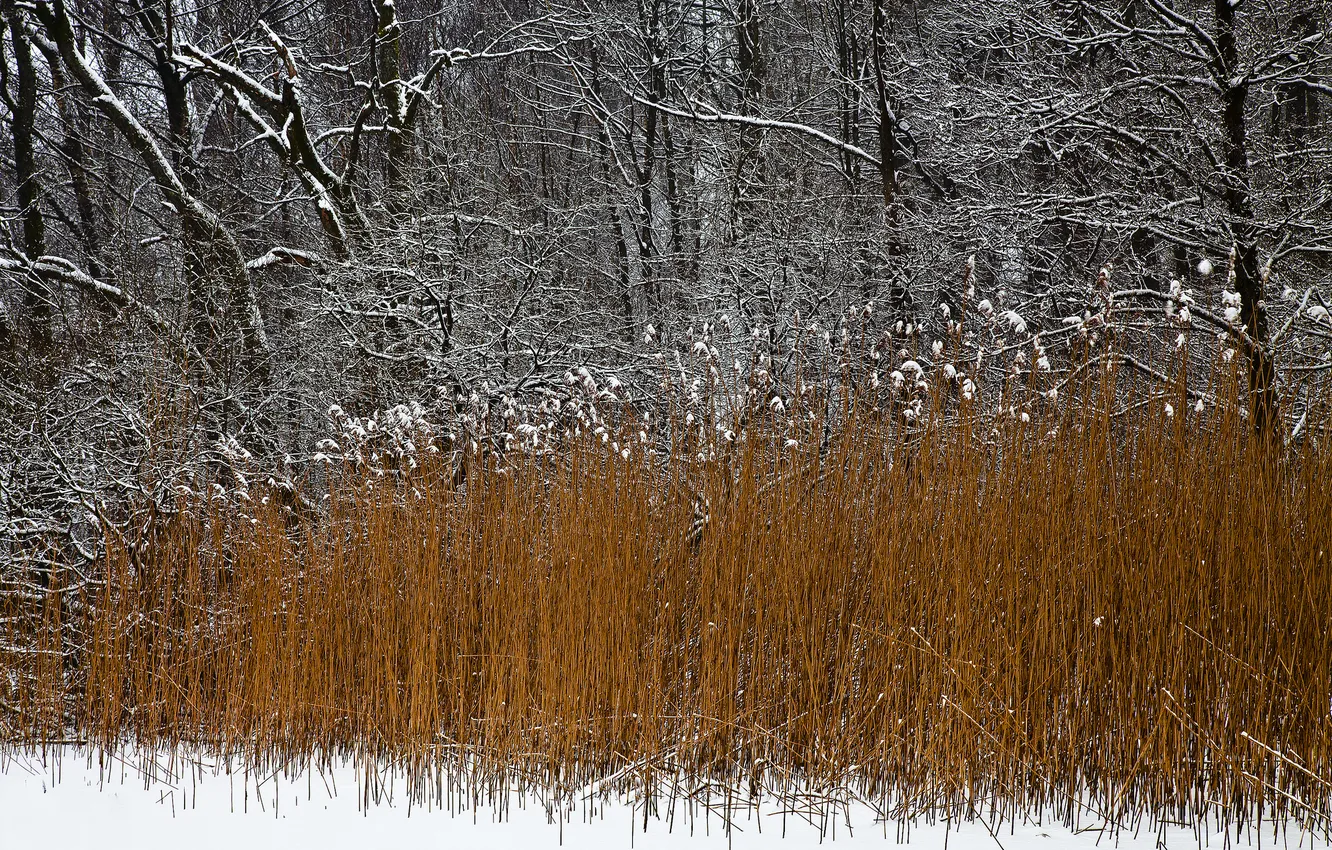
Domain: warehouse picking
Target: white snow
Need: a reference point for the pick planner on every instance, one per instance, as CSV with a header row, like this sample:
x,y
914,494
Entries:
x,y
63,801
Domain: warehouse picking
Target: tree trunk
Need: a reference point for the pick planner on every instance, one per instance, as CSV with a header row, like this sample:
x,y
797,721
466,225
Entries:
x,y
751,64
1239,207
23,103
887,120
76,159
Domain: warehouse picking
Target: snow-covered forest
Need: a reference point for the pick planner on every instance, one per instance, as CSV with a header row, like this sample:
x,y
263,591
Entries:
x,y
259,259
223,218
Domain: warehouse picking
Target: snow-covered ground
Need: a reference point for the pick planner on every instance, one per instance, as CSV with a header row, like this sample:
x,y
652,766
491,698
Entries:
x,y
65,802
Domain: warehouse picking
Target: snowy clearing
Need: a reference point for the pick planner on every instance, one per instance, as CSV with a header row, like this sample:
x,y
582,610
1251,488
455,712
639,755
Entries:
x,y
122,807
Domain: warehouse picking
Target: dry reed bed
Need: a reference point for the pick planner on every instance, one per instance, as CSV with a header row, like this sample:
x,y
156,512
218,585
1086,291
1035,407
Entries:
x,y
1131,614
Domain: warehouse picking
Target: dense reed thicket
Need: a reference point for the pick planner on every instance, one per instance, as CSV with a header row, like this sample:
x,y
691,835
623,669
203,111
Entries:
x,y
1120,610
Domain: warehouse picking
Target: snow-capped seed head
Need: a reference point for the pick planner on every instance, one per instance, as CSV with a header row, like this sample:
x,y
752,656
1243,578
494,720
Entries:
x,y
1179,341
777,405
1170,411
950,371
937,347
1052,394
1205,267
1016,322
649,334
1198,408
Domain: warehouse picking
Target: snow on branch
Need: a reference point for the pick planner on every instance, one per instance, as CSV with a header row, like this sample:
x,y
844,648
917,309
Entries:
x,y
707,114
280,255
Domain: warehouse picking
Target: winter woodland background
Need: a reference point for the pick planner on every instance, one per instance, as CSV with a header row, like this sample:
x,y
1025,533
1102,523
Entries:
x,y
223,219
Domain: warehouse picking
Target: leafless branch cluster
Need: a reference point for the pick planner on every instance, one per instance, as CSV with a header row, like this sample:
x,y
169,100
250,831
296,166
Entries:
x,y
222,218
